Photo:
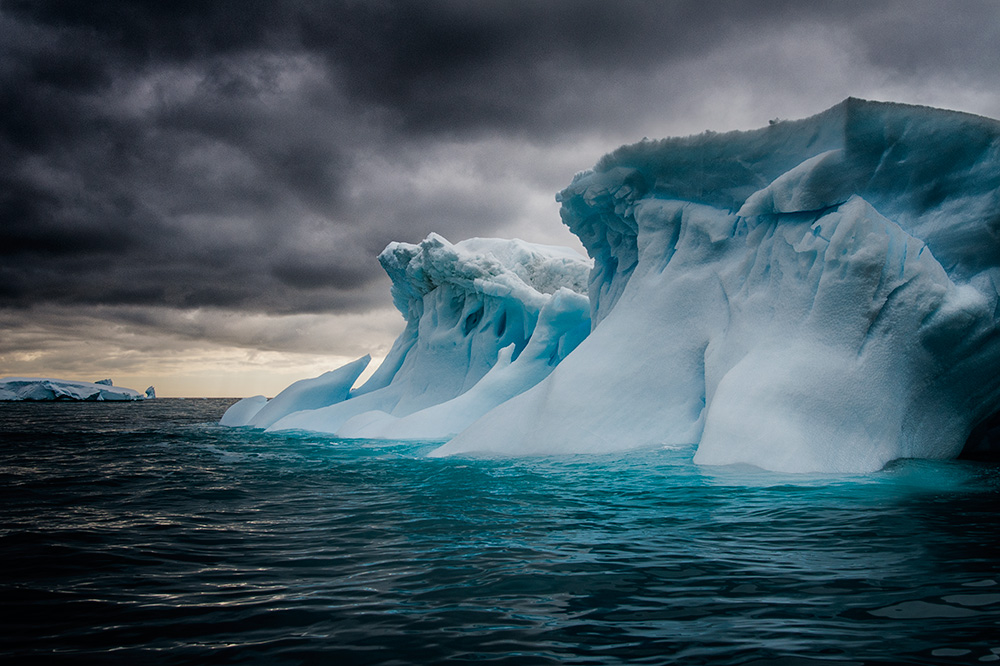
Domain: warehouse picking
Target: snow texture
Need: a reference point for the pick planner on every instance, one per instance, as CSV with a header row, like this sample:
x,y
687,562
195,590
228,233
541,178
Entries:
x,y
486,319
816,295
46,389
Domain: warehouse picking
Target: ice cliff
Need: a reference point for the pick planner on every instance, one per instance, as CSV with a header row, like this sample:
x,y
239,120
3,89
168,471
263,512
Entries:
x,y
46,389
816,295
485,320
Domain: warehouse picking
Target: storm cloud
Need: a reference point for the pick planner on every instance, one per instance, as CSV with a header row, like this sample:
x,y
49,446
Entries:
x,y
254,157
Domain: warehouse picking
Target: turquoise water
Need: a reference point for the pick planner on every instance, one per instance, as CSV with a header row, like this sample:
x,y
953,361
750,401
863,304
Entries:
x,y
143,532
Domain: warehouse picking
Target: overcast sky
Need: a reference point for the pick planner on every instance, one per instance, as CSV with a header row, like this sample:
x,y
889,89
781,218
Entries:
x,y
193,194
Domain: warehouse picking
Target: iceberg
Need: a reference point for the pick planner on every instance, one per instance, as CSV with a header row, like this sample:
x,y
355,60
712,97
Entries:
x,y
486,319
817,295
46,389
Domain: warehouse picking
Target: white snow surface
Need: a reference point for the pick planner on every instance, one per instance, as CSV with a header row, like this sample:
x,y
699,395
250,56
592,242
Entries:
x,y
486,319
48,389
818,295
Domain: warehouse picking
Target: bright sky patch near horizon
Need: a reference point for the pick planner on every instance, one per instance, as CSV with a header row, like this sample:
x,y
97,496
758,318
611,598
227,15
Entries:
x,y
193,195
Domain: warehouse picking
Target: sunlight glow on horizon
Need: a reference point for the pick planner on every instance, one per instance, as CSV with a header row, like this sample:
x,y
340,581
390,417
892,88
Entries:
x,y
222,374
157,353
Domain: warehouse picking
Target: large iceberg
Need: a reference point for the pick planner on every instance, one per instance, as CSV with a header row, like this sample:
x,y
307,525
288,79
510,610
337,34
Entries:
x,y
46,389
816,295
486,319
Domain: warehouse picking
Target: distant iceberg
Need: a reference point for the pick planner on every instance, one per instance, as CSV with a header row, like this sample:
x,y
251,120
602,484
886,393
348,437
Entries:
x,y
42,389
817,295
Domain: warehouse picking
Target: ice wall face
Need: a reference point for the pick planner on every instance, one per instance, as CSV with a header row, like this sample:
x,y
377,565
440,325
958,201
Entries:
x,y
816,295
485,320
463,304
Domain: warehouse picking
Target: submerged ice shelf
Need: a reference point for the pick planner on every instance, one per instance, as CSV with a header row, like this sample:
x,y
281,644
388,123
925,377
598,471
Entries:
x,y
816,295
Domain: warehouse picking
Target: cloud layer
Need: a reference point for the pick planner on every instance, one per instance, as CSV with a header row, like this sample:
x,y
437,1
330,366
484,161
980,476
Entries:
x,y
253,158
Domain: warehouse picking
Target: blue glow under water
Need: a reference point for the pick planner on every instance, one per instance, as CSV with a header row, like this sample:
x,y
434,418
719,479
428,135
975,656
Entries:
x,y
144,533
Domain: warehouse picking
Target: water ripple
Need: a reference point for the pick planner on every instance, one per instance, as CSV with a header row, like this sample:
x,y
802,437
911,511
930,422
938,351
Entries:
x,y
146,532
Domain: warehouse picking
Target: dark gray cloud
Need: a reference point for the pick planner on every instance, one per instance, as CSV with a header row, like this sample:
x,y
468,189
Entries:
x,y
257,155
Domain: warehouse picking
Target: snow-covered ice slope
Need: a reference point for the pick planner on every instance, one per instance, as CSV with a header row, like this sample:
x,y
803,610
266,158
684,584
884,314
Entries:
x,y
816,295
43,388
500,313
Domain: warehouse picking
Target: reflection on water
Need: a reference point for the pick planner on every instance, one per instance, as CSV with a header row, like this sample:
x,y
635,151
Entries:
x,y
144,531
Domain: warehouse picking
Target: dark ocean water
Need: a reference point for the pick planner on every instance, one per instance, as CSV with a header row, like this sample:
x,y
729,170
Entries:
x,y
144,533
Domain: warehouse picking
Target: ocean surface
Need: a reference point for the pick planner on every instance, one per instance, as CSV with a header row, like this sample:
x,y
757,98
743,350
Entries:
x,y
144,533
